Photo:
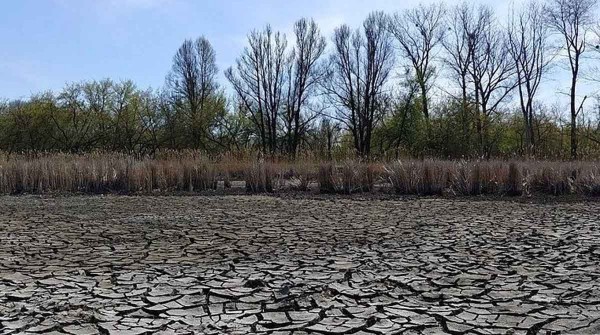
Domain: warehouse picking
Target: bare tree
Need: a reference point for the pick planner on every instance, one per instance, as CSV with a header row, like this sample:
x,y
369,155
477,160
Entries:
x,y
259,81
304,73
193,89
359,70
326,137
476,54
419,32
591,73
572,20
459,49
491,71
528,47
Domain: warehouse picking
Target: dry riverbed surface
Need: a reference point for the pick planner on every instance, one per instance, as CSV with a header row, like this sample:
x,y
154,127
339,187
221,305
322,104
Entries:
x,y
251,264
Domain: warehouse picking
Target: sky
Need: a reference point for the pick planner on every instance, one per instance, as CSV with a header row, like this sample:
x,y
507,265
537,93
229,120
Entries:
x,y
47,43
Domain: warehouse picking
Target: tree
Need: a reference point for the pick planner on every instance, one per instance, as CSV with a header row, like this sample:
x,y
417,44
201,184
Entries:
x,y
194,91
459,50
235,130
134,119
81,116
592,71
476,54
326,137
491,71
402,122
419,32
259,81
152,123
572,20
25,124
304,74
527,44
3,106
123,118
359,69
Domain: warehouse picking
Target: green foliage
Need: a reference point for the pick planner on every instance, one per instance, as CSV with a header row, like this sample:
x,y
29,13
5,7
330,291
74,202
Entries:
x,y
402,131
109,116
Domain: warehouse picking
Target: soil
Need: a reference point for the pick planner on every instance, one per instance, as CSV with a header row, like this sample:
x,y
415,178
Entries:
x,y
293,264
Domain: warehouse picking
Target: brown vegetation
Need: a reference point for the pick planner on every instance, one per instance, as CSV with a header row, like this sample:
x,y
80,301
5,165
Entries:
x,y
190,171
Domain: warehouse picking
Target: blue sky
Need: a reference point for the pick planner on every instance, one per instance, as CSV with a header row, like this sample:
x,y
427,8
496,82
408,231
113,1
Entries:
x,y
46,43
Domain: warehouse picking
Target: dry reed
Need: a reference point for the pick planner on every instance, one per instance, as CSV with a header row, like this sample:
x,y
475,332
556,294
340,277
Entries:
x,y
172,172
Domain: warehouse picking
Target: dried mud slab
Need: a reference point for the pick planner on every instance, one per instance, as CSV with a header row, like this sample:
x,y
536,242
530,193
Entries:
x,y
241,264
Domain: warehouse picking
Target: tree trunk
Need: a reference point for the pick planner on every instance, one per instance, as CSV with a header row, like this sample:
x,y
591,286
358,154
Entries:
x,y
574,140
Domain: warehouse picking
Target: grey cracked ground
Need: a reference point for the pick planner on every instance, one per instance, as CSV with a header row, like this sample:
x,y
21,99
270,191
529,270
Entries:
x,y
250,264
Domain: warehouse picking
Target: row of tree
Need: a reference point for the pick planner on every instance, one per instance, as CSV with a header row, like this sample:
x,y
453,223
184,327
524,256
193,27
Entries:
x,y
431,80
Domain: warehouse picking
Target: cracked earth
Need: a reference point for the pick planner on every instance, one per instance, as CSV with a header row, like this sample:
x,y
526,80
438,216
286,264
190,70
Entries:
x,y
242,264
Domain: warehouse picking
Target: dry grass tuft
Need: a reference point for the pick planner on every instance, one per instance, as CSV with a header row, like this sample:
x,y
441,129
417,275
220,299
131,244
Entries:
x,y
588,181
259,177
348,177
326,178
551,179
514,182
300,175
419,177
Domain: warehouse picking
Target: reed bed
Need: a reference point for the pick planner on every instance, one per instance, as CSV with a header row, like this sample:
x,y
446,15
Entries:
x,y
104,174
192,172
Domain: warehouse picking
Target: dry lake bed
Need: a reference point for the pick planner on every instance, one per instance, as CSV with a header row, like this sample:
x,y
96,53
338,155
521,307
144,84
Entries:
x,y
252,264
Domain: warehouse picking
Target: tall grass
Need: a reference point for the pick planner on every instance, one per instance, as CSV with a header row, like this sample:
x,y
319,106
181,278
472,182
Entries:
x,y
173,172
259,177
348,177
419,177
516,178
105,173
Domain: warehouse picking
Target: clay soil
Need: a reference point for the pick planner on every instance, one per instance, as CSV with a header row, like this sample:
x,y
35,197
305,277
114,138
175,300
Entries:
x,y
252,264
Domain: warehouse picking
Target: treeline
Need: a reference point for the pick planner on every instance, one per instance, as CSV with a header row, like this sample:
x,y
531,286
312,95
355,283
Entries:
x,y
431,81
